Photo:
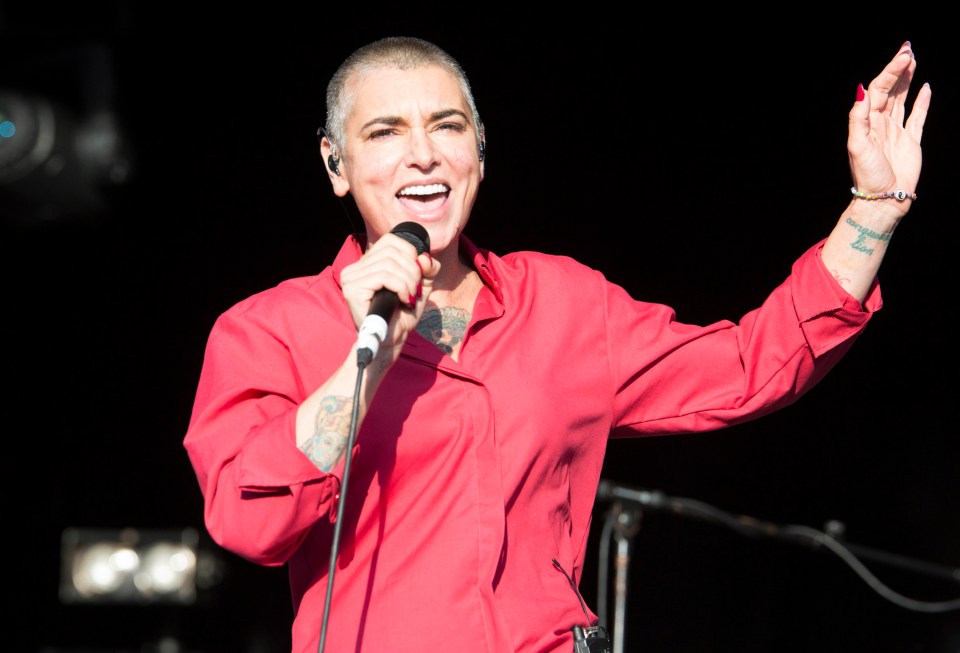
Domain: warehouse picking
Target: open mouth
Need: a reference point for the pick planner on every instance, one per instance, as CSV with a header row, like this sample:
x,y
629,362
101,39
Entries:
x,y
422,197
426,192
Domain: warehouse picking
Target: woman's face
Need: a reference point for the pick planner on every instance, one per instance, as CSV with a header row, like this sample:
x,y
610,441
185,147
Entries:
x,y
410,153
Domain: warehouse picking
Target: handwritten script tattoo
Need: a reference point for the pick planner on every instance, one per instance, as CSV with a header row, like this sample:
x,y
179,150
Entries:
x,y
865,233
326,446
843,281
444,327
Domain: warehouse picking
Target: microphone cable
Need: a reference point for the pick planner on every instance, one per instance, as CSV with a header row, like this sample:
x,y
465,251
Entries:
x,y
362,362
372,331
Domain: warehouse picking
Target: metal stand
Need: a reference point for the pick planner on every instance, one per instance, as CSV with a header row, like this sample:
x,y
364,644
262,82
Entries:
x,y
623,524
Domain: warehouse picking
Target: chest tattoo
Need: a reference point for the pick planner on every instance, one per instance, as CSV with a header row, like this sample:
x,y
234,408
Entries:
x,y
444,327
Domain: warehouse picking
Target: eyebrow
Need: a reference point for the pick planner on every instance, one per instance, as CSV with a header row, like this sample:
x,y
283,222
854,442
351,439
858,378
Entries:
x,y
396,120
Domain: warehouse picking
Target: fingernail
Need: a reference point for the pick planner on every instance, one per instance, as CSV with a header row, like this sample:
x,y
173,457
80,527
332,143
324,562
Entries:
x,y
860,93
419,290
411,300
906,44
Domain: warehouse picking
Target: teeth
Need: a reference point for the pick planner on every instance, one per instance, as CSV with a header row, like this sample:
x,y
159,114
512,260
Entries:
x,y
431,189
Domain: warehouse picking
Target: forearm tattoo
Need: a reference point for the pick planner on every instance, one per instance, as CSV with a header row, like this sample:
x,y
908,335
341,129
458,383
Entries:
x,y
865,233
326,446
843,281
444,327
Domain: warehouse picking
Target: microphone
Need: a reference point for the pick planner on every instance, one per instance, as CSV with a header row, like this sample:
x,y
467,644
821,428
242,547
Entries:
x,y
608,491
373,329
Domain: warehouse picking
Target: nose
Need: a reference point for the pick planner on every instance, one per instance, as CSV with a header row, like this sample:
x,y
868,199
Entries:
x,y
422,151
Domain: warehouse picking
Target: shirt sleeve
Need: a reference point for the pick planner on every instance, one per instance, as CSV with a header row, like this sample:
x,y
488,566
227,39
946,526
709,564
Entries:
x,y
681,378
261,493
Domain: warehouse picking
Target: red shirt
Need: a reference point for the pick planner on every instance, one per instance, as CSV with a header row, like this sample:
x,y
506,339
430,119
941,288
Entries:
x,y
468,477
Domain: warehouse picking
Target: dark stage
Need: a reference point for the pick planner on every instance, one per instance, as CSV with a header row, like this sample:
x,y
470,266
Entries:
x,y
691,165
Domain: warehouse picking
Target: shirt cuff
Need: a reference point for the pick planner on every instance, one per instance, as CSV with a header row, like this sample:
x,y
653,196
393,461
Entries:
x,y
827,313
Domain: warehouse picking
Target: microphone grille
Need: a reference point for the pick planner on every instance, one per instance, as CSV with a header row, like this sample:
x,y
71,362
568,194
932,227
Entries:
x,y
415,234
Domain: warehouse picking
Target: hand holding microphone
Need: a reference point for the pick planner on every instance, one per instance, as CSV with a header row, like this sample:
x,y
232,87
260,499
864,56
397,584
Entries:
x,y
401,277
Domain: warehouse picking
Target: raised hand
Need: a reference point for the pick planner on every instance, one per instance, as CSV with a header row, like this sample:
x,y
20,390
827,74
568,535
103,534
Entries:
x,y
884,147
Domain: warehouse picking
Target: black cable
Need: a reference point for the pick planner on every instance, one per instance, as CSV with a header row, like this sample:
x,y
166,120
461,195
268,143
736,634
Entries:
x,y
805,534
362,362
751,526
821,538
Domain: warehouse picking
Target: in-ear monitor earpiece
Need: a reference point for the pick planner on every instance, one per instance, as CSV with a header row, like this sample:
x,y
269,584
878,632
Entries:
x,y
333,161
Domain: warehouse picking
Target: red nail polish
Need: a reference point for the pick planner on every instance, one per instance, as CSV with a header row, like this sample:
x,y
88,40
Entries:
x,y
860,93
411,300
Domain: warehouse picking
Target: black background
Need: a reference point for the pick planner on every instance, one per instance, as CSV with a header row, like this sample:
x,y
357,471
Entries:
x,y
691,157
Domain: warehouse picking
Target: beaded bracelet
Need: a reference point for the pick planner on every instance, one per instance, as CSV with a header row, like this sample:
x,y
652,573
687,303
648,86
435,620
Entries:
x,y
898,195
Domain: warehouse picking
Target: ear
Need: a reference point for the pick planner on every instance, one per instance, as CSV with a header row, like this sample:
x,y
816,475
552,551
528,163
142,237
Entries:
x,y
482,151
334,165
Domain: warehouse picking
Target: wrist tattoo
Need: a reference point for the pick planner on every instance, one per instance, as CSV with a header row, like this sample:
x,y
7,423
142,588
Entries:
x,y
843,281
865,233
444,327
325,448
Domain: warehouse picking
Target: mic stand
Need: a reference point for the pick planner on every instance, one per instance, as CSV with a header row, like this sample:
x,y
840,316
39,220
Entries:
x,y
830,539
745,525
623,524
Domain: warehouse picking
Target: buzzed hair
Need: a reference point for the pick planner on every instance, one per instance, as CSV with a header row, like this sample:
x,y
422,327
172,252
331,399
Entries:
x,y
401,52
